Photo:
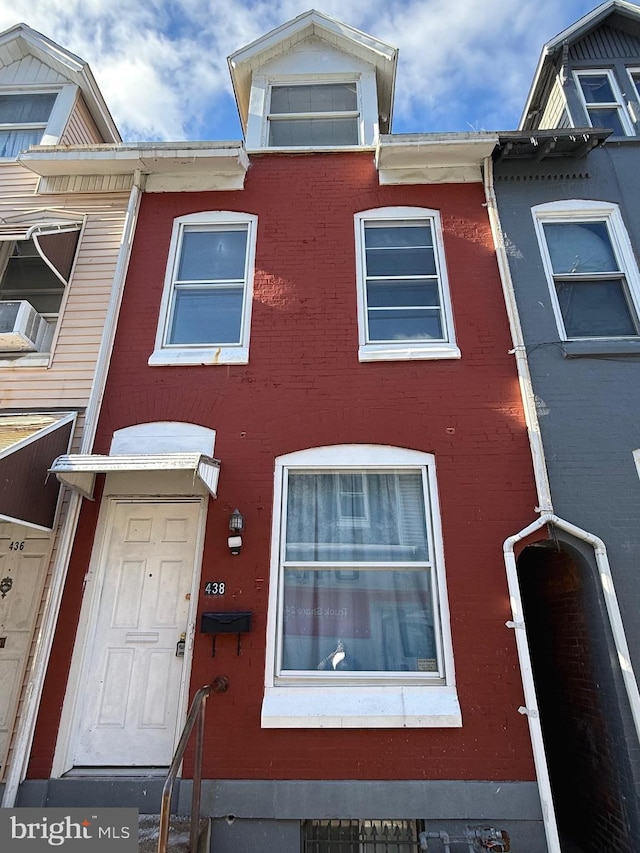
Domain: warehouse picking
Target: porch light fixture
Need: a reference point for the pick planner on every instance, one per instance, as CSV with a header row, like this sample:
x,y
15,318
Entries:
x,y
236,526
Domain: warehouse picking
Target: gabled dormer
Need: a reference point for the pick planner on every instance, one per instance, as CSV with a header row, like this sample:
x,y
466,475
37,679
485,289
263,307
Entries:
x,y
48,96
314,83
589,74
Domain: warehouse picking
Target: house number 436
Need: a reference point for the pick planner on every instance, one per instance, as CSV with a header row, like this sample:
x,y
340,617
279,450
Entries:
x,y
214,588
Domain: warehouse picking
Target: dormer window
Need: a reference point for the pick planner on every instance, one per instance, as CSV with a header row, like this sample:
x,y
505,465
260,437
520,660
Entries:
x,y
313,115
603,101
23,120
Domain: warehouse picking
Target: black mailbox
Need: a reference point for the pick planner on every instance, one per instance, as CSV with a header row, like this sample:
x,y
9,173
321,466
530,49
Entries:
x,y
234,622
226,623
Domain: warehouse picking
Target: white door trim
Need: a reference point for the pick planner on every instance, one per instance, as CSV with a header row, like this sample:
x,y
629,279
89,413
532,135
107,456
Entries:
x,y
63,757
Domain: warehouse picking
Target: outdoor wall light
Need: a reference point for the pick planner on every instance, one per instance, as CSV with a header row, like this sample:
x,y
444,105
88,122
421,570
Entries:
x,y
236,526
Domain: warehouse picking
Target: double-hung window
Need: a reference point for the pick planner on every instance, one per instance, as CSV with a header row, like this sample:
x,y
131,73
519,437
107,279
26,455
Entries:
x,y
36,269
23,120
359,603
206,308
590,268
603,101
404,307
316,115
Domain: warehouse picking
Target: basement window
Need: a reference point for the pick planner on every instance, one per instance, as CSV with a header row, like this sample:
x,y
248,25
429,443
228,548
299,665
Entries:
x,y
360,836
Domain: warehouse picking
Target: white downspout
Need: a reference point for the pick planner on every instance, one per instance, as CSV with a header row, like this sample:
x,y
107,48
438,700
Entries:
x,y
33,691
522,365
547,517
544,505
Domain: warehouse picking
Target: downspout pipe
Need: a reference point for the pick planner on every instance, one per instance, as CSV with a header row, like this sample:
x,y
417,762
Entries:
x,y
33,692
547,517
519,350
545,506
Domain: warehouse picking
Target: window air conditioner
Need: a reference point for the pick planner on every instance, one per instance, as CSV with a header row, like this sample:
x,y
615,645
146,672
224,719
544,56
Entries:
x,y
22,329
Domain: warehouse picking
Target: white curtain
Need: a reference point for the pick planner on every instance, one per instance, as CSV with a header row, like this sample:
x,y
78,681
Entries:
x,y
12,142
346,607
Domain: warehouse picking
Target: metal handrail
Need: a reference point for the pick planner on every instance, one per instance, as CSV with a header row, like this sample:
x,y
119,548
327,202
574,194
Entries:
x,y
196,715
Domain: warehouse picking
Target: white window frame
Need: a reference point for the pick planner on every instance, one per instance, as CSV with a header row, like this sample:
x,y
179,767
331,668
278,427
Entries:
x,y
53,129
633,103
406,349
225,353
45,223
354,700
313,80
618,104
575,212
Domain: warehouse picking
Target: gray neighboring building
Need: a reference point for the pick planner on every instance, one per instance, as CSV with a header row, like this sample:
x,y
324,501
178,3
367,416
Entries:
x,y
567,187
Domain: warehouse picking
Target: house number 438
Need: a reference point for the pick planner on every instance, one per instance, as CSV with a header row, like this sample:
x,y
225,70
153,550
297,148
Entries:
x,y
214,588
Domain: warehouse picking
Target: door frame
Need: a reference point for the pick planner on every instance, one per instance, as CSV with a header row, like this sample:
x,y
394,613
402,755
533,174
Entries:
x,y
93,581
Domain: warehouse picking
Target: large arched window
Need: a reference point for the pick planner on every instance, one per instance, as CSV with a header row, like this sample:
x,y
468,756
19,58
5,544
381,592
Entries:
x,y
358,590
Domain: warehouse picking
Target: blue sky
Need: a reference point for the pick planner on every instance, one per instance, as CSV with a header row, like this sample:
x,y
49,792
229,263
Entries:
x,y
161,64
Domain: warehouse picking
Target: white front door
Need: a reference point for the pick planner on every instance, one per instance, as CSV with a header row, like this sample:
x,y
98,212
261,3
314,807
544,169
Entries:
x,y
129,692
23,562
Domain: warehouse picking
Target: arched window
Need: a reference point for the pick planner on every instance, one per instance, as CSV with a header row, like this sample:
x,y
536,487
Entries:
x,y
358,590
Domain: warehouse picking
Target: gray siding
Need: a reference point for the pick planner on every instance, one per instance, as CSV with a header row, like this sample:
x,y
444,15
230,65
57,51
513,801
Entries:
x,y
588,401
604,44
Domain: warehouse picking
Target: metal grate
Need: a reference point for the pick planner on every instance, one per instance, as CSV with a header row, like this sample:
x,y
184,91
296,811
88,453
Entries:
x,y
360,836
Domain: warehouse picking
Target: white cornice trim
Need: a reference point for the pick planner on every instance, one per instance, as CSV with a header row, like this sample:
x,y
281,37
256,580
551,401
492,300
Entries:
x,y
169,166
433,158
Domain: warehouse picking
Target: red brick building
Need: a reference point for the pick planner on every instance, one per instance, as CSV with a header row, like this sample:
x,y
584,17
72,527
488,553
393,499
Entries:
x,y
323,315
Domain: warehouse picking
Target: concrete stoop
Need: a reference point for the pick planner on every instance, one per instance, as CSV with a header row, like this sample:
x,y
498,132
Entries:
x,y
179,829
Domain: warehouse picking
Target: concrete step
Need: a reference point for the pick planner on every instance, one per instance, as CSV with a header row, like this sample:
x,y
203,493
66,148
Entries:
x,y
179,829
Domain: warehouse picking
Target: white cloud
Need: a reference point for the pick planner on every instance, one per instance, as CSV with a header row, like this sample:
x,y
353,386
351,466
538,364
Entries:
x,y
161,64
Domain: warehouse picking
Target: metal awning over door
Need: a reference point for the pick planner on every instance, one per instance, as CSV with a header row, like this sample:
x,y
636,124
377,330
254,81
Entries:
x,y
78,471
28,445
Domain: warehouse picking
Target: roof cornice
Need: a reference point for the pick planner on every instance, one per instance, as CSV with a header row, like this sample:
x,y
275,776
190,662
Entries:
x,y
433,158
167,166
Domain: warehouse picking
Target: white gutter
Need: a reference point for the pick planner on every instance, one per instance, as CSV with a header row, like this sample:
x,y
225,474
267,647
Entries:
x,y
33,692
544,501
547,517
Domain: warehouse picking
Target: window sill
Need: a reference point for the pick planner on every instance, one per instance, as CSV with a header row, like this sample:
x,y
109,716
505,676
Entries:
x,y
576,349
39,359
353,707
208,356
406,352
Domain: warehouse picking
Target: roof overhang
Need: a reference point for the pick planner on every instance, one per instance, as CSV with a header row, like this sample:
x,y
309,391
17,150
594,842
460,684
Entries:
x,y
244,62
545,70
67,64
538,145
433,158
168,166
78,471
28,444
